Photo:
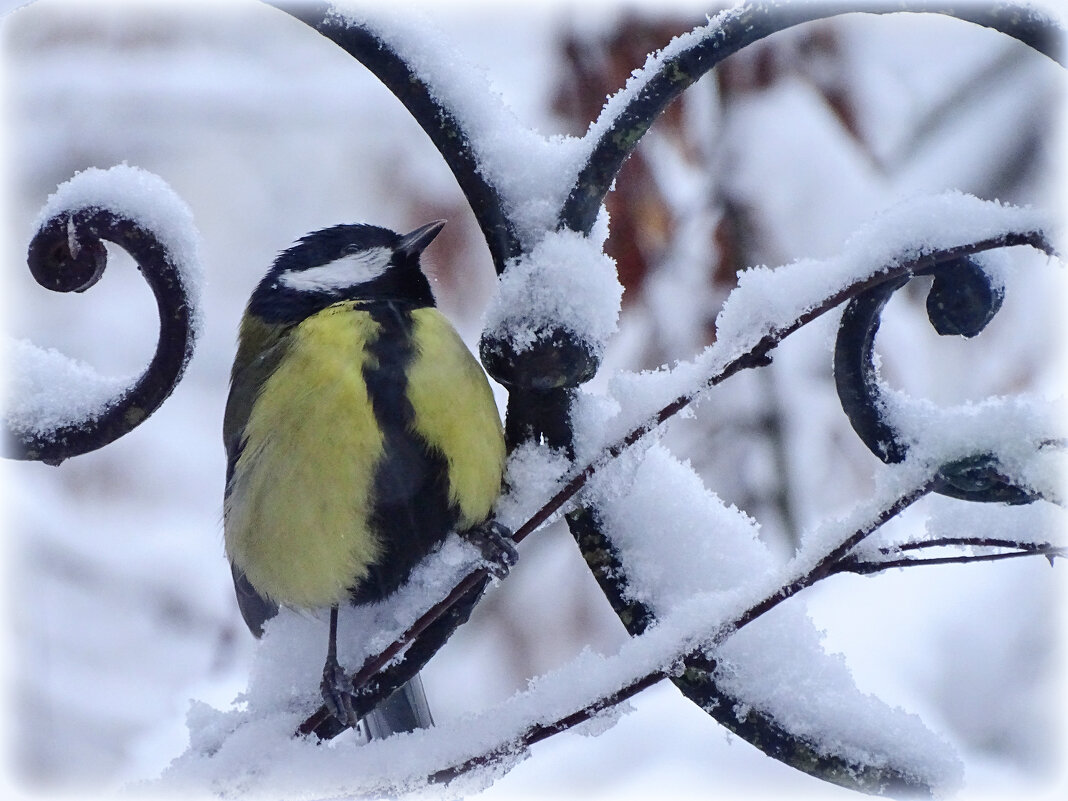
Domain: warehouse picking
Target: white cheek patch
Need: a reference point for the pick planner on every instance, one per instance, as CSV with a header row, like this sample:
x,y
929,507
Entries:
x,y
340,274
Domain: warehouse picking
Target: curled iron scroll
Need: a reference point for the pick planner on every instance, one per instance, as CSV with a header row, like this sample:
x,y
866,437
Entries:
x,y
54,266
962,300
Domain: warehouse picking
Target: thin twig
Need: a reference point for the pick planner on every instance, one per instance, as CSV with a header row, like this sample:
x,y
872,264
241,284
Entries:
x,y
974,542
869,568
542,731
853,564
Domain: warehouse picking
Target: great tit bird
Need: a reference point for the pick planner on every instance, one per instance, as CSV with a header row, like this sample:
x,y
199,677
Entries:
x,y
359,432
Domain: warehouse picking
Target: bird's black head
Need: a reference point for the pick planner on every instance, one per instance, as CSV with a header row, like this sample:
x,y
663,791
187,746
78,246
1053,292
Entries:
x,y
346,262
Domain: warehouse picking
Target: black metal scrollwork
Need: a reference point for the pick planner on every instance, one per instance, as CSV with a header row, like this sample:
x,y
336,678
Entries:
x,y
962,300
55,267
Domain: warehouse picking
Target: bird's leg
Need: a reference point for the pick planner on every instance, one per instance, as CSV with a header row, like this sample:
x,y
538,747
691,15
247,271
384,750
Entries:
x,y
494,541
336,685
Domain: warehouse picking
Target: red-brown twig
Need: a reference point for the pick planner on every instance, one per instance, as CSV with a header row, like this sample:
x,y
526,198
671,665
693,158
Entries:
x,y
1012,550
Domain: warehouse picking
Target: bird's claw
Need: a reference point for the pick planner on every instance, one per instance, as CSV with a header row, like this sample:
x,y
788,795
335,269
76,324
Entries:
x,y
338,692
494,542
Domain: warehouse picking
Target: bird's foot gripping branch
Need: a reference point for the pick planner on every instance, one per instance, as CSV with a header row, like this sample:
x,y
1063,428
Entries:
x,y
494,542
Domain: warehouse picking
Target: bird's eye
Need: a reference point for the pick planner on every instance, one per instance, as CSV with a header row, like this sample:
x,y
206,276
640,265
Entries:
x,y
349,250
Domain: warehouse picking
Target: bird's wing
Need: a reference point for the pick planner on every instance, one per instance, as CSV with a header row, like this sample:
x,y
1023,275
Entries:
x,y
255,609
260,350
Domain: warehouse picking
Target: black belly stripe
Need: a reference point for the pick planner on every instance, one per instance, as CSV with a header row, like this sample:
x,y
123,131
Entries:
x,y
411,513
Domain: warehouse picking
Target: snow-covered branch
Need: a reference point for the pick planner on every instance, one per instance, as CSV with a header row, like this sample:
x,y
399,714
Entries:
x,y
769,305
693,674
57,407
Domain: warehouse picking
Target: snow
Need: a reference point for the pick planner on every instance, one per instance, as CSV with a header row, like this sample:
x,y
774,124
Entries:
x,y
47,390
1013,429
566,282
678,540
767,301
696,584
639,78
133,612
534,173
533,473
683,541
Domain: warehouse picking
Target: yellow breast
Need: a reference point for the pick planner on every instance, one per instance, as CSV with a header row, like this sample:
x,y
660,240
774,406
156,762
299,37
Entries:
x,y
455,413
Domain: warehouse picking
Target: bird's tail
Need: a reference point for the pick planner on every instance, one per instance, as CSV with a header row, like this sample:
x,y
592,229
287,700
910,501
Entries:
x,y
405,710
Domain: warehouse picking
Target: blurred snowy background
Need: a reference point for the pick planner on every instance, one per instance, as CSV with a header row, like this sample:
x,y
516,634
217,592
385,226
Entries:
x,y
118,600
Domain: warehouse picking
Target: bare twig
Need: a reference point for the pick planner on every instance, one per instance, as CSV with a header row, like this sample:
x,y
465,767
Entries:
x,y
1012,550
968,542
868,568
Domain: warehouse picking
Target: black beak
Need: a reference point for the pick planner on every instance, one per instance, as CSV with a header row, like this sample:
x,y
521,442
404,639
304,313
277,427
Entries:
x,y
412,244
